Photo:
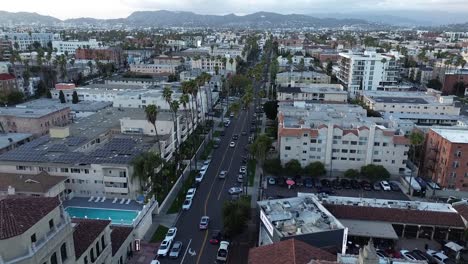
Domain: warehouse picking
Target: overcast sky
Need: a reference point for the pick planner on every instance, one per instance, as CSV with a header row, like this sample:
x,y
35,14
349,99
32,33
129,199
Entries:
x,y
64,9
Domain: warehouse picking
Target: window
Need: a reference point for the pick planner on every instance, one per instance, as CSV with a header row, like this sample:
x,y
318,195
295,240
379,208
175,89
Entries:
x,y
92,255
305,143
335,150
306,135
345,142
304,151
353,142
344,151
20,168
63,169
458,154
376,152
336,137
313,141
51,223
319,141
287,147
376,144
33,238
53,258
456,164
103,244
98,248
63,252
384,144
85,260
75,170
377,160
352,151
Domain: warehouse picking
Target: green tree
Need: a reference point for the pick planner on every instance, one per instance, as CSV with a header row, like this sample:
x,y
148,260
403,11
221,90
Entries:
x,y
15,97
351,173
62,97
374,172
260,147
416,140
151,112
75,98
329,68
273,166
315,169
41,88
293,167
271,109
235,216
144,168
434,84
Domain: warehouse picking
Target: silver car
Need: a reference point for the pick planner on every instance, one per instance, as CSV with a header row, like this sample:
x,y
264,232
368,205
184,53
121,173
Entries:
x,y
176,249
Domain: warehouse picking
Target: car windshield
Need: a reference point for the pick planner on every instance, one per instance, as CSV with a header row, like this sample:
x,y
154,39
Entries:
x,y
222,253
186,201
163,246
176,247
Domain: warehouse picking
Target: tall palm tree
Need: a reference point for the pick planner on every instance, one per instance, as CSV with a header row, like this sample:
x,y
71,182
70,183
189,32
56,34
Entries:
x,y
174,105
152,112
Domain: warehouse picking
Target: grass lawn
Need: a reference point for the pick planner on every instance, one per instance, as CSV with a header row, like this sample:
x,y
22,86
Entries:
x,y
251,166
159,234
176,205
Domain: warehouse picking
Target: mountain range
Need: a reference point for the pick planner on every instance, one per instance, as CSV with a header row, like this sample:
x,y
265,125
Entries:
x,y
164,18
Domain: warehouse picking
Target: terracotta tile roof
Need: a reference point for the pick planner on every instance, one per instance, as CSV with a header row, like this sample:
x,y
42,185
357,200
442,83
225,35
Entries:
x,y
18,214
401,140
462,209
6,76
363,127
23,183
322,126
348,131
394,215
118,237
291,251
298,132
85,232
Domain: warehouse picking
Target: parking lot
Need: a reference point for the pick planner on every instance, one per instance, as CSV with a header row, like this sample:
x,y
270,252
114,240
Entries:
x,y
275,191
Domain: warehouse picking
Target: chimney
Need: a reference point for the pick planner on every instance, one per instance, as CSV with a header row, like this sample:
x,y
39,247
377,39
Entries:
x,y
11,190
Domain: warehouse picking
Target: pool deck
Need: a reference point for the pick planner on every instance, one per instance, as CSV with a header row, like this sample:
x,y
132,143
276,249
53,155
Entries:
x,y
107,204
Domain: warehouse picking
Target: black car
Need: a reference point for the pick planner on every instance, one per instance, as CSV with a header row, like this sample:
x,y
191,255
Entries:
x,y
308,183
244,160
345,183
336,184
394,186
420,255
365,185
326,190
325,183
244,133
235,136
355,184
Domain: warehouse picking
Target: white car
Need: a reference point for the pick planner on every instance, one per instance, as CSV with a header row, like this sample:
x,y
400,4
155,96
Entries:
x,y
385,186
190,193
240,178
203,169
235,190
407,255
440,257
243,169
223,251
232,144
187,204
164,247
171,233
207,162
155,262
199,177
222,174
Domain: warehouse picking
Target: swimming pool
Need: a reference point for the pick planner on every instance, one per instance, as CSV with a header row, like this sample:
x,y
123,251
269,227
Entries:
x,y
119,217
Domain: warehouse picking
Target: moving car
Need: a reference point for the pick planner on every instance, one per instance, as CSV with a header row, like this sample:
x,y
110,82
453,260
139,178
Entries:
x,y
232,144
222,251
235,190
190,193
216,237
187,204
222,174
227,123
243,170
171,233
204,221
164,247
231,115
235,137
385,186
176,249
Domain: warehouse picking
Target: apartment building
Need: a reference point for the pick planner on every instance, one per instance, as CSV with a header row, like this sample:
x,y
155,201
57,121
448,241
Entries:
x,y
368,71
161,65
9,141
305,77
451,78
36,121
104,55
338,135
313,92
8,84
5,47
70,47
25,40
211,64
228,51
35,230
41,184
92,241
430,102
445,157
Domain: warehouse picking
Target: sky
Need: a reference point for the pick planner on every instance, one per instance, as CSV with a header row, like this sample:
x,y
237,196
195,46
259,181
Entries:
x,y
64,9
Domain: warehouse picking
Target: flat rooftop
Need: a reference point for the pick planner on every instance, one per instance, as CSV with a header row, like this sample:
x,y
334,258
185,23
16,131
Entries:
x,y
454,135
406,97
313,88
400,100
30,113
82,106
40,183
298,215
8,139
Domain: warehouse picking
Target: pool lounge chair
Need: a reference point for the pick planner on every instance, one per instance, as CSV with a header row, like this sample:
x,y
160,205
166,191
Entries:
x,y
91,199
128,201
103,199
122,201
97,199
115,200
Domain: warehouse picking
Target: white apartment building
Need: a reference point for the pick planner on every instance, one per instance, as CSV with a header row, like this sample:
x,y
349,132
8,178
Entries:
x,y
25,40
71,46
228,51
338,135
161,64
306,77
296,60
313,92
431,102
367,71
210,64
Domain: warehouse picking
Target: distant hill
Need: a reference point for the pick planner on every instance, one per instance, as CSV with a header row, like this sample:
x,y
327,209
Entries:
x,y
173,18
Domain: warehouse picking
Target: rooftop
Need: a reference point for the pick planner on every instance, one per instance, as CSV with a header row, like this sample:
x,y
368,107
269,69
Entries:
x,y
291,251
85,232
8,139
454,134
313,88
118,236
38,184
429,97
18,214
31,113
298,215
82,106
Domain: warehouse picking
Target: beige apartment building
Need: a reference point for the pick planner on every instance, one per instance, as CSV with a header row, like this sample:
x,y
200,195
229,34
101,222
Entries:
x,y
306,77
338,135
313,92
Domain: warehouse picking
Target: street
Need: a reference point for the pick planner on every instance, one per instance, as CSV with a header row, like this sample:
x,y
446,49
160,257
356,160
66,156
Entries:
x,y
210,196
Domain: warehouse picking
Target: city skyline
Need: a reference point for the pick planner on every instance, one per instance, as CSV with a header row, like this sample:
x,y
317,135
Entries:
x,y
124,8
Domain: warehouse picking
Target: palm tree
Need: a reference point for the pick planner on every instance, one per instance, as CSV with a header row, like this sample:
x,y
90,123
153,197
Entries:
x,y
174,105
152,112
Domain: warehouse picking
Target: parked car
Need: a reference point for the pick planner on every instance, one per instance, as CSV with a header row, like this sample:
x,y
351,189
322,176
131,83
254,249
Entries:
x,y
243,169
336,184
164,247
345,183
204,221
190,193
187,204
223,251
216,237
235,190
232,144
207,162
199,177
424,256
394,186
271,180
171,233
240,178
227,123
381,253
385,186
326,190
308,183
222,174
355,184
365,185
325,183
440,257
376,186
407,255
175,250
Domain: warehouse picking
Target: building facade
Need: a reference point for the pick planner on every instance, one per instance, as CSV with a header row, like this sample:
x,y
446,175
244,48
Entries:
x,y
313,92
25,40
306,77
70,47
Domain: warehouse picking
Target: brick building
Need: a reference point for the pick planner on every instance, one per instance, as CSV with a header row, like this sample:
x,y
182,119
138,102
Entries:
x,y
8,84
452,78
110,55
446,157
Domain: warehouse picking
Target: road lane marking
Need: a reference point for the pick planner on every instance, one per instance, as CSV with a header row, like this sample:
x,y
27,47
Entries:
x,y
230,163
188,246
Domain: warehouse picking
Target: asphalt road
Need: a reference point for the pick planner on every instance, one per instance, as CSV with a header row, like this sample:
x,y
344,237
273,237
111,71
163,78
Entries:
x,y
210,196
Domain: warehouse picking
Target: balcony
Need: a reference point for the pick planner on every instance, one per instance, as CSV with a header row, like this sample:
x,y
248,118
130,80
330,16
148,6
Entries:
x,y
115,190
115,179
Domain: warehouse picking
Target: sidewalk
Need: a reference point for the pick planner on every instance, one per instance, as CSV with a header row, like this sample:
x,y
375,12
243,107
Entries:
x,y
253,191
167,220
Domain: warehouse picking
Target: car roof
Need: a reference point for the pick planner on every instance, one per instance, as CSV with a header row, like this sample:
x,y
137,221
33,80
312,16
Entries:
x,y
223,245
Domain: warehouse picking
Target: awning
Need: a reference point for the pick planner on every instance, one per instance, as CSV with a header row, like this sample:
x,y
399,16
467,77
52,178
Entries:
x,y
369,229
